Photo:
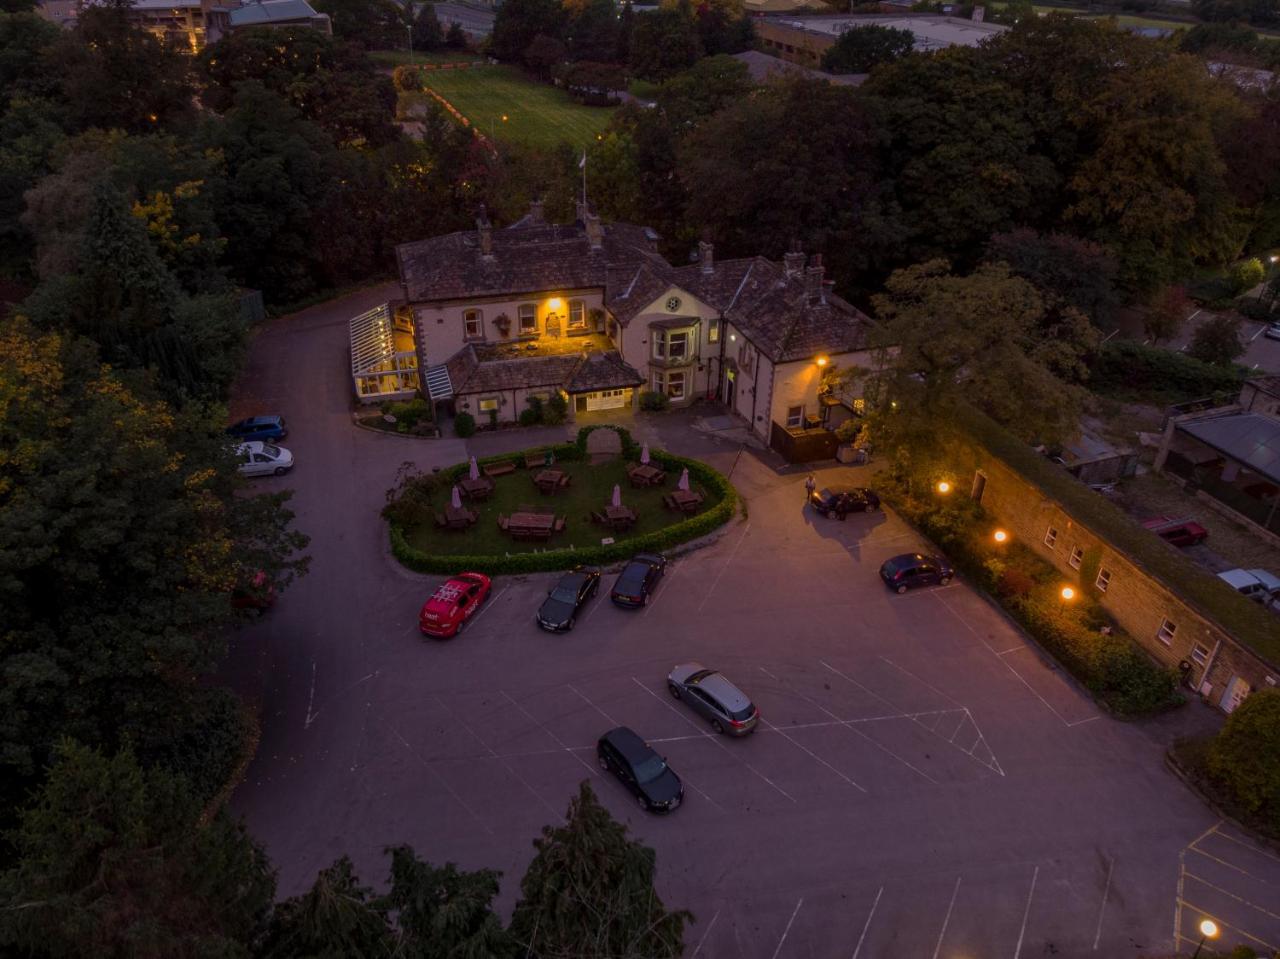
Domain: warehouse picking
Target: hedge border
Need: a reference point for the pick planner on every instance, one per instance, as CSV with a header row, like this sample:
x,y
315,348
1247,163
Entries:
x,y
550,560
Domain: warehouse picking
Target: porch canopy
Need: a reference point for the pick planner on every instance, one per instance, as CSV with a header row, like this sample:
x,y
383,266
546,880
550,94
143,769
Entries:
x,y
1252,440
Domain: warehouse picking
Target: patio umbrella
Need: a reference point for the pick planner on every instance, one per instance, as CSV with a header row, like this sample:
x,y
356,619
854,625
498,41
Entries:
x,y
475,468
456,499
617,495
684,479
644,454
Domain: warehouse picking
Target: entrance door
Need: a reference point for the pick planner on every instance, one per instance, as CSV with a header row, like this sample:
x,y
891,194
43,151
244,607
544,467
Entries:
x,y
730,389
1236,692
580,403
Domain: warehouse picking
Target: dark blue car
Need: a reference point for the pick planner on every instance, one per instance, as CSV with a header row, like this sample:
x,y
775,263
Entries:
x,y
259,428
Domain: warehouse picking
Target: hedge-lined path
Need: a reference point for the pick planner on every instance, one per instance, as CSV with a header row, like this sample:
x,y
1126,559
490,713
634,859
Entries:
x,y
1032,837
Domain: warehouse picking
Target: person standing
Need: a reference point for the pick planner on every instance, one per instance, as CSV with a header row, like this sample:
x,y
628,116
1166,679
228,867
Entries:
x,y
810,484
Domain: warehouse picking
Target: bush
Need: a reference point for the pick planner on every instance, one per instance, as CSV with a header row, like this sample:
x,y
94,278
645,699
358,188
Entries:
x,y
407,78
556,410
1245,275
410,413
1254,309
536,407
1014,583
530,418
1245,756
213,741
653,401
1129,368
464,425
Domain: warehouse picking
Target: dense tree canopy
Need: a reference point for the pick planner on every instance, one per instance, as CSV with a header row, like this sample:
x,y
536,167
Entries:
x,y
664,42
519,21
860,49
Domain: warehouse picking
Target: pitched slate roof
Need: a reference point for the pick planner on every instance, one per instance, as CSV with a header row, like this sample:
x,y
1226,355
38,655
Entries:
x,y
496,375
603,371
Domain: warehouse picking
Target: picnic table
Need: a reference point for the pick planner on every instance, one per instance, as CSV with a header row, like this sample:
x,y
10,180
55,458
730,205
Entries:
x,y
620,517
458,517
645,475
535,459
479,488
531,525
550,480
686,500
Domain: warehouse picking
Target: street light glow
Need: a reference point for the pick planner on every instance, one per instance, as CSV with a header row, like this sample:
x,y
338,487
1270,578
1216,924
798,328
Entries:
x,y
1000,536
1068,593
554,303
944,487
822,361
1209,928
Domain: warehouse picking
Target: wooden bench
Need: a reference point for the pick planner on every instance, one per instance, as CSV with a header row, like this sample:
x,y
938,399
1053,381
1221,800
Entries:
x,y
535,459
499,469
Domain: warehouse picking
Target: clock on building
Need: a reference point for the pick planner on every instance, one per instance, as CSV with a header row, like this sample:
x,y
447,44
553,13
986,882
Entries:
x,y
673,304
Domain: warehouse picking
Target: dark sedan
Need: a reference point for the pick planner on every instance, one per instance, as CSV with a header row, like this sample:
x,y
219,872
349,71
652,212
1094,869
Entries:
x,y
914,569
623,753
638,579
565,601
837,503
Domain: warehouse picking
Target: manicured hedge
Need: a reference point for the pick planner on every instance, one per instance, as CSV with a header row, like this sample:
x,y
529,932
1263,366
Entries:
x,y
674,535
1128,368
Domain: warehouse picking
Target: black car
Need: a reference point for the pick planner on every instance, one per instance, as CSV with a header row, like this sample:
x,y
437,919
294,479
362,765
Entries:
x,y
562,604
915,569
623,753
638,579
837,503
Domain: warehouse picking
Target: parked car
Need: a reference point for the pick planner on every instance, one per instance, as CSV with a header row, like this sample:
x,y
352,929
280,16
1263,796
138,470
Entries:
x,y
1179,532
263,459
271,427
638,579
915,569
1272,332
565,601
839,502
255,592
712,696
623,753
1257,584
452,604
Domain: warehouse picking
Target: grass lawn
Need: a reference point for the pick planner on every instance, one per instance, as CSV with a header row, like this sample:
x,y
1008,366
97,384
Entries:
x,y
396,58
591,490
536,113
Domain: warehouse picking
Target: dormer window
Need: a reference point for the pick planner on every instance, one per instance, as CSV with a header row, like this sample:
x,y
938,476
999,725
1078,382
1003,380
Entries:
x,y
472,324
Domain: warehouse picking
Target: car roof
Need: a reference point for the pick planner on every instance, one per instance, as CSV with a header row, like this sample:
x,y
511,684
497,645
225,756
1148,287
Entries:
x,y
574,577
265,418
1238,578
727,694
629,744
1266,578
253,446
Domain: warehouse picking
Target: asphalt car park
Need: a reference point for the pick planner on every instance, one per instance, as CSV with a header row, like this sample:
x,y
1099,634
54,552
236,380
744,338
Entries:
x,y
921,782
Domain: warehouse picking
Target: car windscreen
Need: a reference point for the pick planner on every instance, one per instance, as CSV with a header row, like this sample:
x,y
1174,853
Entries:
x,y
565,594
272,451
650,769
891,567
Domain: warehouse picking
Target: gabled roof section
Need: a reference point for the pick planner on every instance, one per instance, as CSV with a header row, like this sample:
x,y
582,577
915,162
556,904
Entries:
x,y
603,371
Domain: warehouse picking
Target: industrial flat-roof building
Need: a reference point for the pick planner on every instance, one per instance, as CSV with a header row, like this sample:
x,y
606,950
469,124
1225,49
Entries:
x,y
803,40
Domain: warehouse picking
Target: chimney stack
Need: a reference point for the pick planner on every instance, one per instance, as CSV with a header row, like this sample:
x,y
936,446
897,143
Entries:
x,y
486,232
706,256
813,280
793,260
535,212
595,231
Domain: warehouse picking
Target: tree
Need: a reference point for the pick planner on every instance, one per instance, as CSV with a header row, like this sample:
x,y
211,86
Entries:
x,y
455,38
594,83
976,339
1217,341
1258,12
374,24
1064,268
589,892
112,860
336,918
724,29
592,31
518,22
443,912
427,33
707,87
543,55
664,42
860,49
1244,758
1166,313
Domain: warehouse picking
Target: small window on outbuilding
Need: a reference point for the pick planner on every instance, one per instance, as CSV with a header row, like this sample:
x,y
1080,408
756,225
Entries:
x,y
1050,537
1103,580
1166,632
1076,557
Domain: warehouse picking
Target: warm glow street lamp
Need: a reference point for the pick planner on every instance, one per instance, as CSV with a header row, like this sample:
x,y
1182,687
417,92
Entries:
x,y
944,487
1000,536
1208,930
1068,594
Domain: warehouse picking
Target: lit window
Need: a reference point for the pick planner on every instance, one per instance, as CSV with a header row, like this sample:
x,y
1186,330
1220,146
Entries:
x,y
1076,558
528,318
488,404
577,315
1199,654
1103,580
1050,537
713,331
675,386
472,323
1167,629
795,416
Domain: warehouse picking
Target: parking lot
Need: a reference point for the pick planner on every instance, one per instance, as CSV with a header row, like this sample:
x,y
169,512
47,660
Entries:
x,y
922,783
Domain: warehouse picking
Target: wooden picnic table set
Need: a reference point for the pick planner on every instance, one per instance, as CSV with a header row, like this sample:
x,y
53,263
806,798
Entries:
x,y
455,517
642,474
477,489
531,522
683,500
550,481
620,517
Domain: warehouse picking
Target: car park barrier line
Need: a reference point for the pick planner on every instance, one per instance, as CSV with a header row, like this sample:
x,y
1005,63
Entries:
x,y
444,782
558,740
795,912
1230,865
867,925
716,582
1201,911
609,719
1240,842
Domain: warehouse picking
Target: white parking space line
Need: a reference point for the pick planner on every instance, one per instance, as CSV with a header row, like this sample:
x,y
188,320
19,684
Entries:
x,y
853,729
1230,895
1200,911
1239,842
706,932
608,718
559,741
728,560
786,931
714,738
1106,891
946,919
444,782
664,583
805,749
491,601
867,925
1026,913
505,765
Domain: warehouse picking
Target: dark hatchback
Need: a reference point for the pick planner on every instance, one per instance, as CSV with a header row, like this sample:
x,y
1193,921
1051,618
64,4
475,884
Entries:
x,y
259,428
915,569
638,579
623,753
830,502
563,603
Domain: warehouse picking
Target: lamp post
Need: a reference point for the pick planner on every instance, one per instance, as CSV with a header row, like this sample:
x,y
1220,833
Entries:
x,y
1208,930
1266,279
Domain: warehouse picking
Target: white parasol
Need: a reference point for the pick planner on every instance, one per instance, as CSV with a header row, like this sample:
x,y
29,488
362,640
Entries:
x,y
475,469
684,479
456,499
617,495
644,454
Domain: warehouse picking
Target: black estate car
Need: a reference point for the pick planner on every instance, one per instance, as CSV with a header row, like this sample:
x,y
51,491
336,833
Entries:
x,y
831,502
915,569
563,603
638,579
623,753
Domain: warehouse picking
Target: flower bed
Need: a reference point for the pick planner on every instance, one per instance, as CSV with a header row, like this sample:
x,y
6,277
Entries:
x,y
420,547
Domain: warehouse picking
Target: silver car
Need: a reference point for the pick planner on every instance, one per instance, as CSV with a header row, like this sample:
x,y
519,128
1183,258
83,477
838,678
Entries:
x,y
263,459
716,699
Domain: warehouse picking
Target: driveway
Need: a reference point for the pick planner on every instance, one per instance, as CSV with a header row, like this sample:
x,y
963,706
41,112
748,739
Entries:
x,y
923,783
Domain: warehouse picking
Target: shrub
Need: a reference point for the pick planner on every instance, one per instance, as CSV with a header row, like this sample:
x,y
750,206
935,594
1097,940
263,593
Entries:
x,y
213,740
464,425
556,410
1014,582
654,401
1126,367
1254,309
407,78
536,407
411,412
530,417
1246,274
1245,756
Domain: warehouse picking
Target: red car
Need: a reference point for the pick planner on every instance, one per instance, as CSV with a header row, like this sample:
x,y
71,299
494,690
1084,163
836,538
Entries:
x,y
1179,532
256,593
450,606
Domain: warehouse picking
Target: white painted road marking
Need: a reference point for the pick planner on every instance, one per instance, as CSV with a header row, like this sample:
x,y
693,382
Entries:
x,y
1026,912
867,925
947,919
1106,891
706,933
794,913
592,769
